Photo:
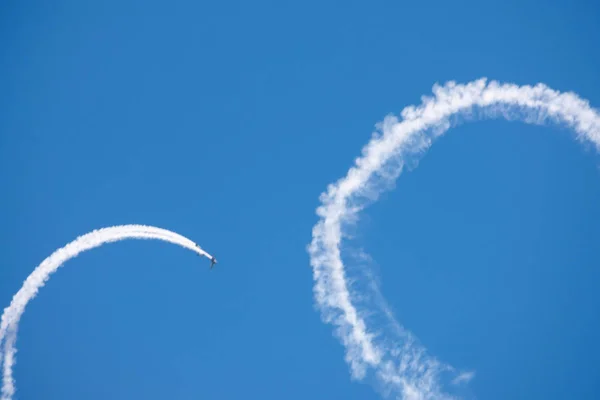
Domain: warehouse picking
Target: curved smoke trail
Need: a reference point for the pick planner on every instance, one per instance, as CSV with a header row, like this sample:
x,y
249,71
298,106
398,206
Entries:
x,y
402,367
12,314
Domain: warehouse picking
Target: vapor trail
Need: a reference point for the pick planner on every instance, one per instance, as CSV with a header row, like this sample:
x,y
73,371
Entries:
x,y
401,365
37,279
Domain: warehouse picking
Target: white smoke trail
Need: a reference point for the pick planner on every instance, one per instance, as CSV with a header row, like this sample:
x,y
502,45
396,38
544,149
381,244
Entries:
x,y
402,367
12,314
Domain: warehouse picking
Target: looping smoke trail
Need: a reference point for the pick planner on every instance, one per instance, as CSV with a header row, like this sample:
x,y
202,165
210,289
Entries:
x,y
402,367
12,314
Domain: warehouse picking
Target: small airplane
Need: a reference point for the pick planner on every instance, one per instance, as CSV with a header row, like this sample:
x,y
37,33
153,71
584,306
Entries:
x,y
213,260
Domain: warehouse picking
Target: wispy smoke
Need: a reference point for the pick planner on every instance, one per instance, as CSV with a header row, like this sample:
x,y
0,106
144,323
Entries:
x,y
12,314
402,366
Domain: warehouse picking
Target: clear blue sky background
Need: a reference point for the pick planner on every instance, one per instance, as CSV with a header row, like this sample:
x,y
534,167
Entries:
x,y
224,121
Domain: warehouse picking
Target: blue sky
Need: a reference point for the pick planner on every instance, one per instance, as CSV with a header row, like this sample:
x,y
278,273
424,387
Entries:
x,y
224,122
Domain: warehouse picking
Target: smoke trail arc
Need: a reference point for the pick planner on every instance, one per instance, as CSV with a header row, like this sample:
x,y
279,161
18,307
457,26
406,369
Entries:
x,y
12,314
400,365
